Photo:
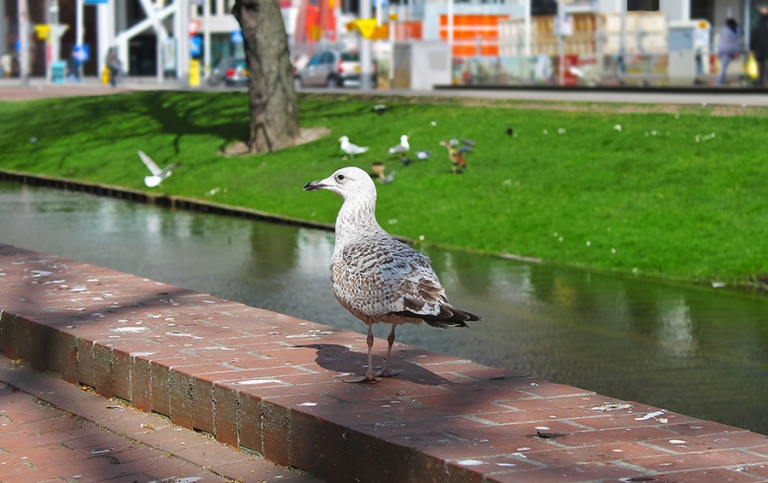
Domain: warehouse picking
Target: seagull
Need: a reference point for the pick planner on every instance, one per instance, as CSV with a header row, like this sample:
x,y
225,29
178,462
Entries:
x,y
379,109
423,155
158,175
401,148
376,277
350,148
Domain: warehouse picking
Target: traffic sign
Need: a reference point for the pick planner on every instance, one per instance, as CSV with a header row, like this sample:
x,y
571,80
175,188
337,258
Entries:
x,y
236,37
81,52
194,27
195,45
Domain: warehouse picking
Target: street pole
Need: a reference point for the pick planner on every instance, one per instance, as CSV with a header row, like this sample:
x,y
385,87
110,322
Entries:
x,y
450,25
80,29
206,38
23,42
622,35
560,44
527,44
366,66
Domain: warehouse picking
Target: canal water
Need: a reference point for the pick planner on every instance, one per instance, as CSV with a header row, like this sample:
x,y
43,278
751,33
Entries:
x,y
696,350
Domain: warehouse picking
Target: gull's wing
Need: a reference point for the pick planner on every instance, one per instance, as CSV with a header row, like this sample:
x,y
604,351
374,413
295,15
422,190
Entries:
x,y
387,277
150,164
167,170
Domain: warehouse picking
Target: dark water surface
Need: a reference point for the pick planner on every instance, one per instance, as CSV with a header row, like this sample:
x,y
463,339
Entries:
x,y
695,350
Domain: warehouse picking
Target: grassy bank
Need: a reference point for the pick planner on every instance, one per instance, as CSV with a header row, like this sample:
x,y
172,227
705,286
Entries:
x,y
676,195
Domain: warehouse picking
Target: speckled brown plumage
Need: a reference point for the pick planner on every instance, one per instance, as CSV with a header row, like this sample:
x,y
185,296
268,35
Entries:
x,y
376,277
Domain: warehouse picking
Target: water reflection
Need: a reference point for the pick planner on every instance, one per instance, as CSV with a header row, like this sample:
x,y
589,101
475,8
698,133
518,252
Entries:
x,y
697,350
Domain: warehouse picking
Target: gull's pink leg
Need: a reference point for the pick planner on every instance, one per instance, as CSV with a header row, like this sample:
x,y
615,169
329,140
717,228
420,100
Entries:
x,y
390,340
369,373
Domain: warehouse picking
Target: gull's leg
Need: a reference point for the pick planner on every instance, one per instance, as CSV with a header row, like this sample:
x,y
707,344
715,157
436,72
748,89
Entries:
x,y
390,340
369,373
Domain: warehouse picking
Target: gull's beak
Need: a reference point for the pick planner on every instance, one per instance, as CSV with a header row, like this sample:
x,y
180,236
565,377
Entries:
x,y
314,186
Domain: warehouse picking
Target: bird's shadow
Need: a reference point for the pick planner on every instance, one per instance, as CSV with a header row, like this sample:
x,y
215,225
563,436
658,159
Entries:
x,y
338,358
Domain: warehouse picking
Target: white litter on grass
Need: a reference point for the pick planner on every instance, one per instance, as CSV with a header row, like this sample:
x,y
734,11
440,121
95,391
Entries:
x,y
650,416
718,284
617,127
470,462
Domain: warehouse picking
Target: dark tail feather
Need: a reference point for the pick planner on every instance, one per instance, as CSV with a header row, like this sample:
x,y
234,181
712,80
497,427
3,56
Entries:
x,y
448,317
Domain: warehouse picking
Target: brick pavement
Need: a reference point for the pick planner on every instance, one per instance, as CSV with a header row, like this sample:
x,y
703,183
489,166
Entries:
x,y
270,383
53,431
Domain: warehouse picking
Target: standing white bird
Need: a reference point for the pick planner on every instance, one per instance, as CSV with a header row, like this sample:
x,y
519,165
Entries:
x,y
401,148
350,148
158,175
376,277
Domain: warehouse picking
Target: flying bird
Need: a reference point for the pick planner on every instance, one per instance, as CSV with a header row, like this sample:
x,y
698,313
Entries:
x,y
401,148
458,159
376,277
350,148
158,175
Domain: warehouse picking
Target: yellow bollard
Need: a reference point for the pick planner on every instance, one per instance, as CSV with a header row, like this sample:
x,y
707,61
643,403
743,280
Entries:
x,y
105,75
194,73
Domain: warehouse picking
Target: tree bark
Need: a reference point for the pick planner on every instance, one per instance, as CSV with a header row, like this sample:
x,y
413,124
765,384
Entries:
x,y
273,105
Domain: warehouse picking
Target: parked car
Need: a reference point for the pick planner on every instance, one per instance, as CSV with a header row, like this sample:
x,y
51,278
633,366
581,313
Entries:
x,y
331,68
231,71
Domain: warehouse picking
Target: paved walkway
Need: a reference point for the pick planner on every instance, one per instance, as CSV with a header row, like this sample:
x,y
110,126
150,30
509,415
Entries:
x,y
53,431
39,88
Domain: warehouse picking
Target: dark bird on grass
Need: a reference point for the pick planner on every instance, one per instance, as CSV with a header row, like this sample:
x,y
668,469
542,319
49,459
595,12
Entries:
x,y
468,142
158,175
406,162
458,160
376,277
388,178
510,131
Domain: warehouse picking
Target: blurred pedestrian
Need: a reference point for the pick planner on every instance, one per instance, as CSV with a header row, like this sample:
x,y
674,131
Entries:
x,y
729,47
73,67
115,66
758,44
5,63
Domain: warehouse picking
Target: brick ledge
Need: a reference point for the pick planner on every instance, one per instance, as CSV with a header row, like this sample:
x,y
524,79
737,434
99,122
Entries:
x,y
272,384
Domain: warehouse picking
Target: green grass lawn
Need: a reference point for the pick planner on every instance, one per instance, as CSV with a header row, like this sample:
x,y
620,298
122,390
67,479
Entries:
x,y
568,188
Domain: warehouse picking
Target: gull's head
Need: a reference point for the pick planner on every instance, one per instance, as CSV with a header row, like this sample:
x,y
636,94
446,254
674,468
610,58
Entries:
x,y
404,139
343,139
349,183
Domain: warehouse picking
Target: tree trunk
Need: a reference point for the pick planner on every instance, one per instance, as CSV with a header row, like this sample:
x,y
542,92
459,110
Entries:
x,y
274,110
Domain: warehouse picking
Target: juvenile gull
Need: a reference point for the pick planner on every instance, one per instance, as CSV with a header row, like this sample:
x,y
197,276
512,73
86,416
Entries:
x,y
376,277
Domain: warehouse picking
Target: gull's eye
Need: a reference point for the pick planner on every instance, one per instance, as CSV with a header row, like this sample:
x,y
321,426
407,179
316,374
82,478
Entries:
x,y
339,177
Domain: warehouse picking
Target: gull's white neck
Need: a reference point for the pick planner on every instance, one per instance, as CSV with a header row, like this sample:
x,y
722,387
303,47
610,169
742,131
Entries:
x,y
357,217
